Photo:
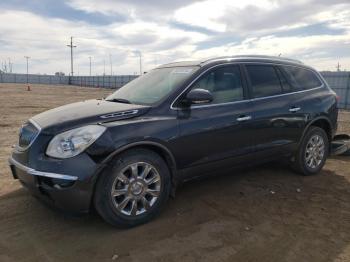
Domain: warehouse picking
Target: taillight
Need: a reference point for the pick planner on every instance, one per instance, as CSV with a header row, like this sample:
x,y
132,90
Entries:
x,y
338,98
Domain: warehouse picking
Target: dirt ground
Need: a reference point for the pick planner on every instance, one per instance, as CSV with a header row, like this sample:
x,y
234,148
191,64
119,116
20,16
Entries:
x,y
267,213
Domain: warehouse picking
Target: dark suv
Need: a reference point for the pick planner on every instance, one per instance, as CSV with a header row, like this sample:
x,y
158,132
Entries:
x,y
126,153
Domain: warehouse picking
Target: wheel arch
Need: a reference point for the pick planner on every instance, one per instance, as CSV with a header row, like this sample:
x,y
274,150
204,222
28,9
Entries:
x,y
156,147
321,122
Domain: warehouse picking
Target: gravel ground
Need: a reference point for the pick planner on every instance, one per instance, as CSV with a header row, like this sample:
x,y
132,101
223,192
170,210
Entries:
x,y
267,213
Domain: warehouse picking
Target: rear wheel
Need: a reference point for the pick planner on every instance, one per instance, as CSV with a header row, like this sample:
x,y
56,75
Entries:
x,y
313,152
134,190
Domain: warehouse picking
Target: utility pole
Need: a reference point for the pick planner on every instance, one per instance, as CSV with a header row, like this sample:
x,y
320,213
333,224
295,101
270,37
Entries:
x,y
140,55
71,54
104,67
110,61
10,65
27,58
338,67
90,64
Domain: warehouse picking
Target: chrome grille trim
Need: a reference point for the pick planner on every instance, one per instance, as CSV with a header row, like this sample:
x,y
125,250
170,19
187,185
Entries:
x,y
34,172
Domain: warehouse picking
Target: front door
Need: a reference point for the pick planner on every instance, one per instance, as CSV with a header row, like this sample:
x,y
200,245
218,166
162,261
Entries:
x,y
219,132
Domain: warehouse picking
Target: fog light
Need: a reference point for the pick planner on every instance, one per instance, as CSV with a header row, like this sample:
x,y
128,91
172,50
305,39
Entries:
x,y
61,183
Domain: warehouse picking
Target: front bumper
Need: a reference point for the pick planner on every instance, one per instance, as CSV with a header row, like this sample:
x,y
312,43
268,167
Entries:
x,y
63,191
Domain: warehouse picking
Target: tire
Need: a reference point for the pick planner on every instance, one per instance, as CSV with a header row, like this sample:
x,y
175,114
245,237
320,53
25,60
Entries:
x,y
307,154
141,182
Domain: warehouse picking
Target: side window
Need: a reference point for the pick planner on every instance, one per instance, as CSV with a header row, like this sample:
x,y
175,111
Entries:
x,y
264,80
286,86
224,83
301,78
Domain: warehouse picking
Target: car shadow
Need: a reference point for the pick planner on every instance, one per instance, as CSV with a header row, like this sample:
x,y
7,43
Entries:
x,y
266,213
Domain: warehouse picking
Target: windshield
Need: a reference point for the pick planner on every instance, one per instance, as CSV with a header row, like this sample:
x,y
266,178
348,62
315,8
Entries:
x,y
152,87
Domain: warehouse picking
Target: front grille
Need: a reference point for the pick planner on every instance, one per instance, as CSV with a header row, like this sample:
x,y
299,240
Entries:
x,y
27,134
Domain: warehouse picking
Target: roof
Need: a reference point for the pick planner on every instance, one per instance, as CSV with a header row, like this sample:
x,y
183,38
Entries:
x,y
238,58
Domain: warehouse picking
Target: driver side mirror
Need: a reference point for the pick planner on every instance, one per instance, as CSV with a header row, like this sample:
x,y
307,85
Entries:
x,y
198,96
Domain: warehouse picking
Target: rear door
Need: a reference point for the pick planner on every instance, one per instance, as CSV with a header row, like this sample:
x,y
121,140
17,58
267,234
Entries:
x,y
274,124
218,132
307,98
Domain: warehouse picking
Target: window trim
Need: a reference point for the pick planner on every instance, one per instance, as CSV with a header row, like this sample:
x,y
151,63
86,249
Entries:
x,y
249,99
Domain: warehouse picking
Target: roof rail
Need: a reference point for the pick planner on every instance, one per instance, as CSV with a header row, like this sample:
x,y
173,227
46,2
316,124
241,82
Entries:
x,y
254,56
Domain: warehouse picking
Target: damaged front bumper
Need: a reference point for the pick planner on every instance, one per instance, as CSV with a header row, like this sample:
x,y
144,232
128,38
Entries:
x,y
63,191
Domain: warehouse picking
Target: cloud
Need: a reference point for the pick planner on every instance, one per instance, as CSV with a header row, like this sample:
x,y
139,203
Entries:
x,y
60,9
316,32
45,40
217,15
328,48
150,10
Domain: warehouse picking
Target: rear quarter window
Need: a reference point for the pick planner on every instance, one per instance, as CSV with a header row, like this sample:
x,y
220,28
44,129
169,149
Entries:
x,y
301,78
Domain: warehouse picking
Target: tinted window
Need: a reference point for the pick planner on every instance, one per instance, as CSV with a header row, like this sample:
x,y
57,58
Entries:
x,y
301,78
286,86
264,80
224,83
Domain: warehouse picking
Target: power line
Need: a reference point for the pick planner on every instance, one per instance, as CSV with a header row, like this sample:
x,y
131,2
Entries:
x,y
71,54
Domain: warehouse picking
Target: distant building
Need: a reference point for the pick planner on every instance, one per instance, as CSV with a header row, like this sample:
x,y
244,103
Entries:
x,y
59,74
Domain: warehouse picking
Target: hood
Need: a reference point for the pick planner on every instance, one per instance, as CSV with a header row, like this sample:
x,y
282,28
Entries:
x,y
87,112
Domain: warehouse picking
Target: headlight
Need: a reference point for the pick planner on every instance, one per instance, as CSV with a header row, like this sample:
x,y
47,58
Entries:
x,y
73,142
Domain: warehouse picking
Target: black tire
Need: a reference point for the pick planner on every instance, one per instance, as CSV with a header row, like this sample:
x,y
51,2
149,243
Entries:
x,y
300,163
104,202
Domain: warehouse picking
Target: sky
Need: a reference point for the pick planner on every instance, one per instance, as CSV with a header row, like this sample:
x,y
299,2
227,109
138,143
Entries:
x,y
117,32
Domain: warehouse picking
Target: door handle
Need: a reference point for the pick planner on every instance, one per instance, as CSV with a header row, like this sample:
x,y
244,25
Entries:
x,y
294,109
243,118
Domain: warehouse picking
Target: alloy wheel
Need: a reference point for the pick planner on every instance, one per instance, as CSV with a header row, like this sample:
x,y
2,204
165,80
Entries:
x,y
315,151
136,188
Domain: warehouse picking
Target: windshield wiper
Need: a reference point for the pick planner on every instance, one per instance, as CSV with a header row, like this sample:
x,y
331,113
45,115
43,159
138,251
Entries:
x,y
119,100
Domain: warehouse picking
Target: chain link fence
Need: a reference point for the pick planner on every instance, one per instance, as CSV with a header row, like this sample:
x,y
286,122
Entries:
x,y
91,81
102,81
34,79
338,81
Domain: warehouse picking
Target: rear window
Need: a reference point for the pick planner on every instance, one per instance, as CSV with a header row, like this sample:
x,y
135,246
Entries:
x,y
301,78
264,80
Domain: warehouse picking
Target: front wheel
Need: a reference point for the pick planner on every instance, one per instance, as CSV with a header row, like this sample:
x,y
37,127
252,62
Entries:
x,y
312,153
134,190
